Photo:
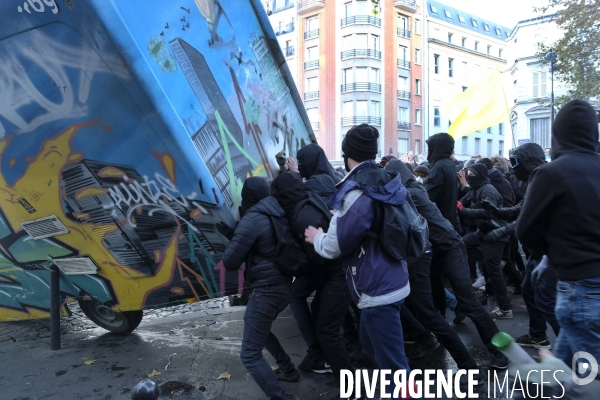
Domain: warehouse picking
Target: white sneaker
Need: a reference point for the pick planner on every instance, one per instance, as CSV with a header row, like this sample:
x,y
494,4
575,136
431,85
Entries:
x,y
479,282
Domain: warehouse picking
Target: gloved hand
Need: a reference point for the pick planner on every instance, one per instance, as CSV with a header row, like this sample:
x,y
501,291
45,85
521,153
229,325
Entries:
x,y
459,205
495,235
555,371
489,207
225,230
539,270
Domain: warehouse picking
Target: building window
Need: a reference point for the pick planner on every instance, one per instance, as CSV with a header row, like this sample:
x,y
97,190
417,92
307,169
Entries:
x,y
375,75
433,8
486,27
417,56
375,42
312,84
540,131
347,110
347,76
313,115
417,117
499,53
361,75
346,42
489,129
417,146
477,143
489,147
500,129
312,23
403,83
539,84
375,109
362,108
476,46
474,22
348,9
402,146
448,14
464,42
402,53
417,26
450,67
361,7
436,116
450,37
489,50
402,22
461,19
312,53
464,145
498,32
417,86
501,147
403,114
436,63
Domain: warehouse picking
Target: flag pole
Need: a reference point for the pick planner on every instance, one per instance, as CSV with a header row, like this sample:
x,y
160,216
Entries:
x,y
508,109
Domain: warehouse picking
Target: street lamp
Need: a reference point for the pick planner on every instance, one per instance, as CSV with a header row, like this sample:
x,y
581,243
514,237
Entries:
x,y
551,58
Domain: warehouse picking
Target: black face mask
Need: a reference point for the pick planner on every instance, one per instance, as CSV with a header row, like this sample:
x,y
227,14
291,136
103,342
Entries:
x,y
475,180
346,163
521,173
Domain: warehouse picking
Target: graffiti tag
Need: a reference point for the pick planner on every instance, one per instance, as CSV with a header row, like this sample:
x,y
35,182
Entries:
x,y
38,6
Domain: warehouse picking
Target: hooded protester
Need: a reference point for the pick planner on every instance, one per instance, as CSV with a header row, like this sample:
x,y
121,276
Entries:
x,y
539,298
497,180
378,282
316,169
255,242
561,218
449,253
385,160
332,297
421,172
490,254
442,182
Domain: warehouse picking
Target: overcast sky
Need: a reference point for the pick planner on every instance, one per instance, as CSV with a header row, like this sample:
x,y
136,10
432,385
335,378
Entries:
x,y
504,12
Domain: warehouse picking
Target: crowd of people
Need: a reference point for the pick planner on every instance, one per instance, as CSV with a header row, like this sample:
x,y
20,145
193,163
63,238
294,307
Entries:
x,y
380,295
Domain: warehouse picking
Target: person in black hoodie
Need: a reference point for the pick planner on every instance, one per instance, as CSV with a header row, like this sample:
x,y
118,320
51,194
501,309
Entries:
x,y
561,218
254,242
332,297
316,169
449,254
490,254
442,182
497,180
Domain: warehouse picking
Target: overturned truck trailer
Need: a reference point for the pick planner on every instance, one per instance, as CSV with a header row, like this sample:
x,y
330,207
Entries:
x,y
127,129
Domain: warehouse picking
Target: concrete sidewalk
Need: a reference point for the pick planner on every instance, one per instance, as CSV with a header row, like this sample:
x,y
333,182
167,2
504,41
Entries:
x,y
204,344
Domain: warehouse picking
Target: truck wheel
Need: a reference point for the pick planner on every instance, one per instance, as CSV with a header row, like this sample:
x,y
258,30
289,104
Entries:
x,y
117,322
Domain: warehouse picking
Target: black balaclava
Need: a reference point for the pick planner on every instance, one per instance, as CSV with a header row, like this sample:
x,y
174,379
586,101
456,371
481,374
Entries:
x,y
521,173
254,190
288,189
480,178
360,144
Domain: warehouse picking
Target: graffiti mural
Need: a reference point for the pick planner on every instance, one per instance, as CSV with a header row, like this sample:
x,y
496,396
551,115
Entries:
x,y
135,125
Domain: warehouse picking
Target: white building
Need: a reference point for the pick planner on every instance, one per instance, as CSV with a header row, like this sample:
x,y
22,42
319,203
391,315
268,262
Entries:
x,y
528,81
460,49
283,14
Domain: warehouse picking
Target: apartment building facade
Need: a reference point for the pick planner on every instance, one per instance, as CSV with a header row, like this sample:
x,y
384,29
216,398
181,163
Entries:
x,y
461,49
283,16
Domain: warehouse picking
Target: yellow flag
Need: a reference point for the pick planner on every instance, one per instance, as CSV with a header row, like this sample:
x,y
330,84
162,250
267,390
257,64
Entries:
x,y
479,107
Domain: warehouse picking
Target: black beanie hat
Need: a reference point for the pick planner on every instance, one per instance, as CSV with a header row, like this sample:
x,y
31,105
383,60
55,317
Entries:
x,y
360,143
479,169
487,162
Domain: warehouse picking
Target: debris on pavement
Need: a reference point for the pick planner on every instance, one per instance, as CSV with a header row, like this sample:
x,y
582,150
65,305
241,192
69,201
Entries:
x,y
154,373
225,376
119,374
89,362
169,363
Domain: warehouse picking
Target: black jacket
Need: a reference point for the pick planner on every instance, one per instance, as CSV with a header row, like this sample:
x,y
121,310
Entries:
x,y
441,232
502,186
442,181
316,169
254,242
561,213
473,210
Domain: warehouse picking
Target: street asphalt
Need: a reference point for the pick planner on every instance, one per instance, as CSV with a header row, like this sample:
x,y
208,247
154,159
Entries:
x,y
202,341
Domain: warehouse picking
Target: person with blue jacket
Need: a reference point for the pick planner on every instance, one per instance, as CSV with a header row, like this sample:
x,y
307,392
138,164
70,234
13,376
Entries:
x,y
378,283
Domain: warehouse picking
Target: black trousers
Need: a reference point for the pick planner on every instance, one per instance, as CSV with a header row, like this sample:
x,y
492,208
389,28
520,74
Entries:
x,y
420,304
329,307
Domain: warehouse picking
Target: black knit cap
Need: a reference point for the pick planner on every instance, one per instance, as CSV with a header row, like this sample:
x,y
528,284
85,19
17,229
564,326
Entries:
x,y
487,162
361,143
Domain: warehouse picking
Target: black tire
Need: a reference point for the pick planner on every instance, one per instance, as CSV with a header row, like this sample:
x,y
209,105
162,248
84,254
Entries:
x,y
113,321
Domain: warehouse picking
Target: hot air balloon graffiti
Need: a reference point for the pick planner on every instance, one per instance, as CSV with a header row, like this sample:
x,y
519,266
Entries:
x,y
212,11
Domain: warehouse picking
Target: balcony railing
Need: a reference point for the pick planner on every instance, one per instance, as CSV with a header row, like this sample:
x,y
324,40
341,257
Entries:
x,y
311,34
311,64
361,19
403,94
305,6
404,126
361,120
315,126
404,33
287,28
311,95
361,87
408,5
403,63
361,53
283,8
289,51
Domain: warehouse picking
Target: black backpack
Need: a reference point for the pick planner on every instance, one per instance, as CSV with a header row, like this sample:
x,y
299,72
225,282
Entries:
x,y
401,231
290,259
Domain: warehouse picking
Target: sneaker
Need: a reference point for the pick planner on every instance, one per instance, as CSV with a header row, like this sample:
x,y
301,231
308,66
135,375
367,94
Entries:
x,y
459,315
421,349
291,377
312,358
479,282
499,361
358,354
538,343
410,340
322,368
497,313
